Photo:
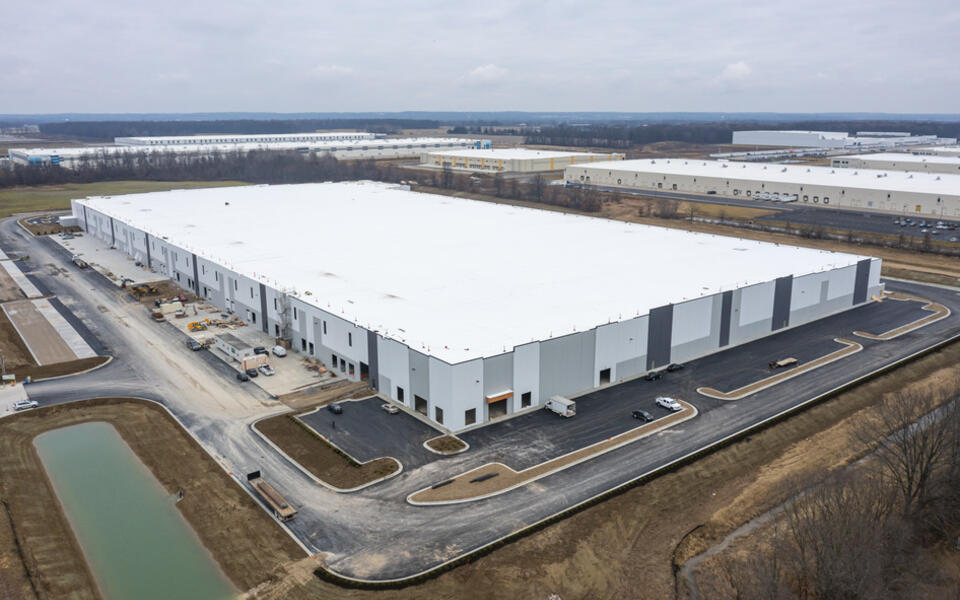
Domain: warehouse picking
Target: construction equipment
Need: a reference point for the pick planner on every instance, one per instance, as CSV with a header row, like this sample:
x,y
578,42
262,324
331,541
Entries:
x,y
198,325
783,363
272,497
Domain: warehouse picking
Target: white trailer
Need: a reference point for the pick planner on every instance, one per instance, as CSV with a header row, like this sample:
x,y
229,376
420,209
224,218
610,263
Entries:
x,y
562,406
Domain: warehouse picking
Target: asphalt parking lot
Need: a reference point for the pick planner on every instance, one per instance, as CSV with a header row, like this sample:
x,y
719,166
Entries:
x,y
869,222
365,431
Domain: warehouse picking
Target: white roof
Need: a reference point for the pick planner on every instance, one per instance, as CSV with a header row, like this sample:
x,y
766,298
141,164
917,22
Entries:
x,y
515,154
457,279
904,157
146,139
873,179
96,151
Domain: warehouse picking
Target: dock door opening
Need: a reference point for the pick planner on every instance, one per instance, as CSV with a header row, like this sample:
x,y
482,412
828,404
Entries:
x,y
604,376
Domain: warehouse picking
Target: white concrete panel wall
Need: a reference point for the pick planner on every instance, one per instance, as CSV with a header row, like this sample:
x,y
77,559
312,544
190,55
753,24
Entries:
x,y
441,392
466,393
875,266
343,337
806,290
526,374
756,303
842,282
393,359
691,320
618,342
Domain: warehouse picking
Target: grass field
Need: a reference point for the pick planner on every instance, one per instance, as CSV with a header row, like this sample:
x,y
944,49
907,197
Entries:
x,y
57,197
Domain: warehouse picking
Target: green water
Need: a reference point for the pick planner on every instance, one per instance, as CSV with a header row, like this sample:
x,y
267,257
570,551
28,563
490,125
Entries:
x,y
135,540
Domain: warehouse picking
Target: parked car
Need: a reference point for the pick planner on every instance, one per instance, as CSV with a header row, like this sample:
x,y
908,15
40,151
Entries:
x,y
25,404
279,351
260,350
390,408
653,375
252,372
674,367
242,377
194,345
267,370
668,403
642,415
335,408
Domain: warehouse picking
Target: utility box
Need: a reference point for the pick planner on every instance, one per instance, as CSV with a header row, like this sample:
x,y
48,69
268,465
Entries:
x,y
233,346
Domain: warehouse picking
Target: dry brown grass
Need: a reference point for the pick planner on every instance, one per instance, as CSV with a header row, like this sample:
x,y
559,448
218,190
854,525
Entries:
x,y
318,457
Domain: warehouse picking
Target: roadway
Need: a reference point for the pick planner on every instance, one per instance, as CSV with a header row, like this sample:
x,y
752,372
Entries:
x,y
374,533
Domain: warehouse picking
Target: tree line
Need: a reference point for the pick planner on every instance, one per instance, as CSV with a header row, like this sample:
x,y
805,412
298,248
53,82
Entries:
x,y
256,166
627,135
107,130
871,531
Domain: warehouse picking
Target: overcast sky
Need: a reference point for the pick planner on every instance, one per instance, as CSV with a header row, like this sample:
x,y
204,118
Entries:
x,y
314,55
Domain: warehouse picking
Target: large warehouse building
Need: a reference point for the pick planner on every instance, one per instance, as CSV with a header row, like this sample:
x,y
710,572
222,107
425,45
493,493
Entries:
x,y
266,138
834,139
466,310
863,189
900,162
511,160
73,158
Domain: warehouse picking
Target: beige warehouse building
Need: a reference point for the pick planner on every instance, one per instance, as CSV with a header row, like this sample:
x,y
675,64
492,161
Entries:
x,y
900,162
511,160
897,192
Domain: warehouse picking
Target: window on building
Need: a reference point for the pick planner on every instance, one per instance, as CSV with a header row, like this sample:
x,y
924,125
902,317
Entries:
x,y
333,360
274,304
251,292
470,416
294,313
276,330
349,339
324,328
526,399
235,285
303,344
438,414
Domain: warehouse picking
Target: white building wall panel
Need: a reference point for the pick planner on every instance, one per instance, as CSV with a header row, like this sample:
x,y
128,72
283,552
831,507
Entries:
x,y
691,320
756,303
526,374
394,363
805,290
842,282
466,393
441,392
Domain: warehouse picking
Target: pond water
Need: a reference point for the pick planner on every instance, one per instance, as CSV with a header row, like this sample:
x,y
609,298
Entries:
x,y
135,541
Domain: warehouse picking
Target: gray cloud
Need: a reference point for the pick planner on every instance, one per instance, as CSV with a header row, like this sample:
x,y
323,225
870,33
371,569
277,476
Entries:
x,y
303,55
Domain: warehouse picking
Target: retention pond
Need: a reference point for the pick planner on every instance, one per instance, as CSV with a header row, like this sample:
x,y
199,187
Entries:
x,y
135,541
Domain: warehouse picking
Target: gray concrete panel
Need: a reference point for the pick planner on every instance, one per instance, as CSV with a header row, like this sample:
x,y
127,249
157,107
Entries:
x,y
196,274
498,374
862,281
659,336
781,302
726,306
386,386
566,364
374,360
263,303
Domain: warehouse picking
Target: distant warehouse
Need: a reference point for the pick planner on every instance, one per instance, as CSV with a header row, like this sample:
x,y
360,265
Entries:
x,y
265,138
834,139
511,160
73,158
865,189
415,294
900,162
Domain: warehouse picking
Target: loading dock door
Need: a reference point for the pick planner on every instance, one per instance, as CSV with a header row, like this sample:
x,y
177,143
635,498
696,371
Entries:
x,y
497,404
420,404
